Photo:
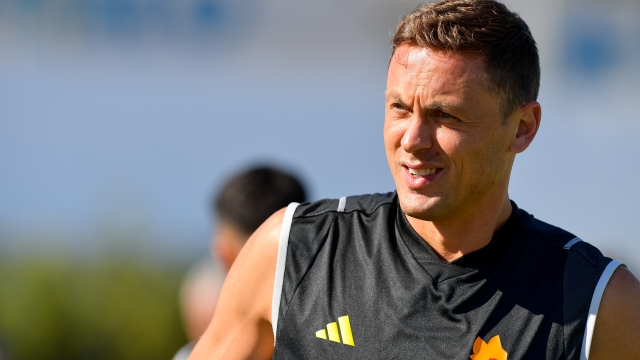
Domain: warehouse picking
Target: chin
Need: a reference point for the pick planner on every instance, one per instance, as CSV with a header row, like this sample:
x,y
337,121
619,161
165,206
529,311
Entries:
x,y
421,207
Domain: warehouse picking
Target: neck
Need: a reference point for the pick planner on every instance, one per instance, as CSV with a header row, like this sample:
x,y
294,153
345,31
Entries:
x,y
467,232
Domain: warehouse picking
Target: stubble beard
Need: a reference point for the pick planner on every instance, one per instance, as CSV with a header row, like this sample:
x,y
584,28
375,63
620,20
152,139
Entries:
x,y
423,207
449,203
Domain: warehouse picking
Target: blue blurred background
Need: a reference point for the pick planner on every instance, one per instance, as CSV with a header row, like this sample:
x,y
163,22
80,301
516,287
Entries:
x,y
119,118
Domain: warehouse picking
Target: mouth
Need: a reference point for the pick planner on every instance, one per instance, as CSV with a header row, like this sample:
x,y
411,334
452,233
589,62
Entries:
x,y
416,178
416,173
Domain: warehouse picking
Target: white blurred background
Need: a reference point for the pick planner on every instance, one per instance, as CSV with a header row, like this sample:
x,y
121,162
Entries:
x,y
124,115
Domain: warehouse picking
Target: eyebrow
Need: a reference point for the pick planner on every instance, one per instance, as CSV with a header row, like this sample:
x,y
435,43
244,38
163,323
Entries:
x,y
443,105
395,96
434,105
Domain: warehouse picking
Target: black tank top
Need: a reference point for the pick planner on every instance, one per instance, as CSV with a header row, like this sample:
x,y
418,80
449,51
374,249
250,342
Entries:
x,y
355,281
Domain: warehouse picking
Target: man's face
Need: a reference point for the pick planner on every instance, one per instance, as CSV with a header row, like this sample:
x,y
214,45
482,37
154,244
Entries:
x,y
445,138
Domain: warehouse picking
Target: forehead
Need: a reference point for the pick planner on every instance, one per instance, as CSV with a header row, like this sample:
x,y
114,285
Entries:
x,y
418,69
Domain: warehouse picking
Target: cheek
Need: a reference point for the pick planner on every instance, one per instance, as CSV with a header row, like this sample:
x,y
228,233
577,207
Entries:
x,y
489,160
451,142
393,132
474,158
453,145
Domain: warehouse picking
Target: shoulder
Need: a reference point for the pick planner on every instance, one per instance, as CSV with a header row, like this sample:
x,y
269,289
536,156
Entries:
x,y
586,278
260,250
617,328
312,221
240,327
366,204
548,235
601,310
554,238
266,237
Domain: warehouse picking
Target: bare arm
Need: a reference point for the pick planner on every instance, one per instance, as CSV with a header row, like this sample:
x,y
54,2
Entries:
x,y
617,331
241,326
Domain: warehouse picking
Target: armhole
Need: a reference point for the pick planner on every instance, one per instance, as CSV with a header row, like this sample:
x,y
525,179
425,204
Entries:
x,y
573,241
595,304
280,264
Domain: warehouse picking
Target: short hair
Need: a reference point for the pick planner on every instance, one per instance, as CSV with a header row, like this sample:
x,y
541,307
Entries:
x,y
482,28
247,199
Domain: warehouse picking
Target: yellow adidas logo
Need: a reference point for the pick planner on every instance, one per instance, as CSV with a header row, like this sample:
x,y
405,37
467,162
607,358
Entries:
x,y
332,331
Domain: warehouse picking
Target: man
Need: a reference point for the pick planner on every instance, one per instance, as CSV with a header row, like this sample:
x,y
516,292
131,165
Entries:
x,y
244,202
447,267
199,293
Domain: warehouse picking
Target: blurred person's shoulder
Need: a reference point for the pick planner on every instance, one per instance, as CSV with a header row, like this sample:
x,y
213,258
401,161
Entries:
x,y
184,352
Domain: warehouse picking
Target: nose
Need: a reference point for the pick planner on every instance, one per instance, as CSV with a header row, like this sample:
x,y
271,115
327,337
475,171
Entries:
x,y
418,134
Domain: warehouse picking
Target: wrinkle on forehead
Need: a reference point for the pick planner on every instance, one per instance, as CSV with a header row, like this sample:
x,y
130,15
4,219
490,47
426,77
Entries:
x,y
421,63
435,78
405,54
415,56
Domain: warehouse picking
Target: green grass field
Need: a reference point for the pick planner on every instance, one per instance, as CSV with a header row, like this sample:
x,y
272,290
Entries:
x,y
112,308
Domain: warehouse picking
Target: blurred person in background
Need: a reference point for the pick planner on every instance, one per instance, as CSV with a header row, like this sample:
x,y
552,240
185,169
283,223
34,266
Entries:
x,y
446,266
244,202
198,298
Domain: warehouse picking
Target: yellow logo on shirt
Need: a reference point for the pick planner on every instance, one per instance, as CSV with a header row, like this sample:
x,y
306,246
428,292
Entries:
x,y
332,331
491,351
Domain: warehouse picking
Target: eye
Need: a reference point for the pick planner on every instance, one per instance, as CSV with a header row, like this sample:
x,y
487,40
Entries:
x,y
398,108
445,116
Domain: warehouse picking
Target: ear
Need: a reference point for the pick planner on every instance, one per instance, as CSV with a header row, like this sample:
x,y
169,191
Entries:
x,y
221,248
529,116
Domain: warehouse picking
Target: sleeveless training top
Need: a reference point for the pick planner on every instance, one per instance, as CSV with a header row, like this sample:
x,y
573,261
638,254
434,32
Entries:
x,y
355,281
